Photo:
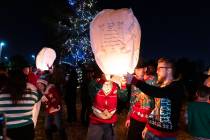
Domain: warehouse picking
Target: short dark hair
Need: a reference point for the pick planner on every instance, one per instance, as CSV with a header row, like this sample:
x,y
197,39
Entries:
x,y
203,91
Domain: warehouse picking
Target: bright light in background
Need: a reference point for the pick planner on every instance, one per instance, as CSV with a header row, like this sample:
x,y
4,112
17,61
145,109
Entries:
x,y
2,44
6,58
45,58
33,56
72,2
1,47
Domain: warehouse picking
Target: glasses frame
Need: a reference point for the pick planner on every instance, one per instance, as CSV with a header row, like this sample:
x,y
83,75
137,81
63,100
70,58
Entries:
x,y
163,68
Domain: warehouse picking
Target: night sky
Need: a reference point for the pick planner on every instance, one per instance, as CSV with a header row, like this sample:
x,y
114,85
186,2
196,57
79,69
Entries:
x,y
169,28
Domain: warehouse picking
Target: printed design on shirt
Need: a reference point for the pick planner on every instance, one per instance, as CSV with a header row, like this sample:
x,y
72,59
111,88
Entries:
x,y
156,110
141,98
161,114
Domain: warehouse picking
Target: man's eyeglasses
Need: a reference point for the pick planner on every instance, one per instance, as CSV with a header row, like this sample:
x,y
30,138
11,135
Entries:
x,y
163,68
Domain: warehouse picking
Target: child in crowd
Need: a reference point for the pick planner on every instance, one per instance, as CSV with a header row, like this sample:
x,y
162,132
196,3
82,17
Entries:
x,y
141,105
198,115
53,113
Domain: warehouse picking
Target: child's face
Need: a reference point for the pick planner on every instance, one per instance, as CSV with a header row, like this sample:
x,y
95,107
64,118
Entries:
x,y
140,73
41,87
26,70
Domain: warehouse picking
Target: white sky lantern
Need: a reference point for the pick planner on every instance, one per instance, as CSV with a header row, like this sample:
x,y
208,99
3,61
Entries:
x,y
115,40
45,58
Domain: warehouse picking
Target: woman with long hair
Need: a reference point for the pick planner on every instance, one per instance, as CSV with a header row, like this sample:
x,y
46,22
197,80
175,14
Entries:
x,y
17,99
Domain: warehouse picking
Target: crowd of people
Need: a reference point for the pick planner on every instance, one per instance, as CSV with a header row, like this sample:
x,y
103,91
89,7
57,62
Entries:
x,y
154,95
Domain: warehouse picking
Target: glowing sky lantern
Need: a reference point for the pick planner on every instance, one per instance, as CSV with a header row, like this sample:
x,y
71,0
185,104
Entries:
x,y
115,40
45,58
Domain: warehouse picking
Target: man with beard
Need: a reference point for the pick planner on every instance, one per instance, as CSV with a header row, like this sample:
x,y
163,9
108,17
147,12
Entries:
x,y
163,120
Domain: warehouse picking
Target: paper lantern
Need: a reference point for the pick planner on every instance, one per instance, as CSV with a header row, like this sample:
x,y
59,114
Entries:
x,y
115,40
45,58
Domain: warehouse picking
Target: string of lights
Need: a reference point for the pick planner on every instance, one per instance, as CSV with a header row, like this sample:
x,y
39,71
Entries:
x,y
76,48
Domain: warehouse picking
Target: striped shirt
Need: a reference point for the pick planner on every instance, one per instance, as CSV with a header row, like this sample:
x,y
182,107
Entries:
x,y
20,114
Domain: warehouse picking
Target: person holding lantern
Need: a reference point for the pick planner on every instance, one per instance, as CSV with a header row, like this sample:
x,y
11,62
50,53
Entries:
x,y
163,120
140,105
104,94
115,40
53,106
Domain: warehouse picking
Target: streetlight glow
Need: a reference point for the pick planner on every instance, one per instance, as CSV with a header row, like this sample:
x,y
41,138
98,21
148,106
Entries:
x,y
33,56
1,46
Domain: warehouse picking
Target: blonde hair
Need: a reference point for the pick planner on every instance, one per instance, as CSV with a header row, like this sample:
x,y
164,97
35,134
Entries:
x,y
169,63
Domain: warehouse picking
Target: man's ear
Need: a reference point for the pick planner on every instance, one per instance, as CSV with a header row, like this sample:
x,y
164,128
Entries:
x,y
170,70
